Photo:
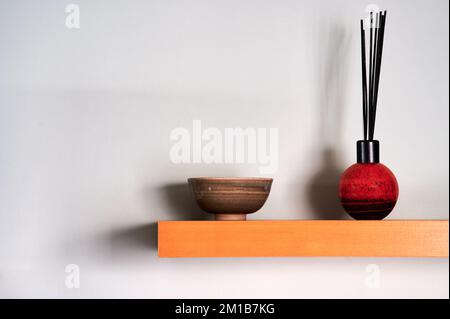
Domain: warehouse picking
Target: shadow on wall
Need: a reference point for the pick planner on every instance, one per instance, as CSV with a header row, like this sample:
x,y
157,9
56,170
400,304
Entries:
x,y
113,246
322,188
180,202
141,237
179,205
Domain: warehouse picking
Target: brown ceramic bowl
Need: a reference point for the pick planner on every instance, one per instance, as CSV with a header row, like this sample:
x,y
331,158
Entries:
x,y
230,198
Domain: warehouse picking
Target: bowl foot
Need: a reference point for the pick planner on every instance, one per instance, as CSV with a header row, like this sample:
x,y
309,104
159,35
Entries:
x,y
231,217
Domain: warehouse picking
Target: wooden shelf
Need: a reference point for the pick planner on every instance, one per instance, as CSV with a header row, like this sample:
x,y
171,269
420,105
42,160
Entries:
x,y
303,238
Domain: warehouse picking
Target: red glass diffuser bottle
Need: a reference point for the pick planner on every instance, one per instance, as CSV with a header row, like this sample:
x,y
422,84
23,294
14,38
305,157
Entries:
x,y
368,190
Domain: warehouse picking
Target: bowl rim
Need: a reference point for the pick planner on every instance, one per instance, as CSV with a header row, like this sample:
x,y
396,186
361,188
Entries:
x,y
240,179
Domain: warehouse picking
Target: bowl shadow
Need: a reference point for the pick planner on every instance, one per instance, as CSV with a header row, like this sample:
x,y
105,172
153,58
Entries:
x,y
180,202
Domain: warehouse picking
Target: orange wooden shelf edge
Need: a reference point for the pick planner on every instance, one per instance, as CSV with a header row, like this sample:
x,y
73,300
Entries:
x,y
303,238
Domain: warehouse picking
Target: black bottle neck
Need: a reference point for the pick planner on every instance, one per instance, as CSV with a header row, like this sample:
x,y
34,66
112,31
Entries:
x,y
368,151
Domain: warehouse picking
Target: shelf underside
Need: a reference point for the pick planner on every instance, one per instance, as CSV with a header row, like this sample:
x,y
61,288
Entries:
x,y
303,238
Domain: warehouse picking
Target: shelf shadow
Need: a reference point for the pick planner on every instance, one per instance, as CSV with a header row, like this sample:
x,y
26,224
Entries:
x,y
135,237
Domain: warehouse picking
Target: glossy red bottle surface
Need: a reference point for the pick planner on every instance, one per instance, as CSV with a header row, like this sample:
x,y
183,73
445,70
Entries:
x,y
368,191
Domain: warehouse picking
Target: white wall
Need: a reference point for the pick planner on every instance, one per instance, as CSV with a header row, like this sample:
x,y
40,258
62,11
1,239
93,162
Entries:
x,y
85,118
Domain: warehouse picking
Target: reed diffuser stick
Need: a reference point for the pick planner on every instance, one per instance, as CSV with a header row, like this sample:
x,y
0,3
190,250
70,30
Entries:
x,y
370,92
378,69
364,77
369,114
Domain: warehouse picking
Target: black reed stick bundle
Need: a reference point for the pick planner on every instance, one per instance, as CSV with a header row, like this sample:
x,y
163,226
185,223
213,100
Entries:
x,y
370,94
